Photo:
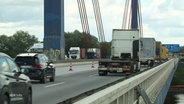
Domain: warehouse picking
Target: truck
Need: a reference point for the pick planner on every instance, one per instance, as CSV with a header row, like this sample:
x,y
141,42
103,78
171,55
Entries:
x,y
125,50
36,48
82,53
74,53
77,53
164,54
147,54
93,53
158,50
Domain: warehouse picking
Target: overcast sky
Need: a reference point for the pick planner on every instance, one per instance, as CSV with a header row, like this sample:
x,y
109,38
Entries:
x,y
162,19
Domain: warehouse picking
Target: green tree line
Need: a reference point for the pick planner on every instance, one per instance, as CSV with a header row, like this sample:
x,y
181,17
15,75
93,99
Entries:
x,y
21,41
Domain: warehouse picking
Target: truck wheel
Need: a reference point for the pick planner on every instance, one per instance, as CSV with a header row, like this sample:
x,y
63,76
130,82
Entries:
x,y
152,63
102,73
138,67
132,68
105,72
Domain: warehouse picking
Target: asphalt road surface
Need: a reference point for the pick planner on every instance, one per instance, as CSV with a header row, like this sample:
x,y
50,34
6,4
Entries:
x,y
68,84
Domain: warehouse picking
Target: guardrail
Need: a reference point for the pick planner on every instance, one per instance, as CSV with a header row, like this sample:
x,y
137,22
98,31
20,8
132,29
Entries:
x,y
140,89
74,62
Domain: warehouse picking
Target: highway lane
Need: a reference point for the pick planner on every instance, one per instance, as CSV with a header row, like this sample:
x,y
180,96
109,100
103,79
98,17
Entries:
x,y
70,83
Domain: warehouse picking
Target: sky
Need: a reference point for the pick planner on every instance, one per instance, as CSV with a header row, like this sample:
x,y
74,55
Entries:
x,y
161,19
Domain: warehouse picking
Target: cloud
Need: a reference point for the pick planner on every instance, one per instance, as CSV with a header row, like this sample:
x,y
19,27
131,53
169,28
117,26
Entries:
x,y
32,27
165,19
25,3
14,14
162,19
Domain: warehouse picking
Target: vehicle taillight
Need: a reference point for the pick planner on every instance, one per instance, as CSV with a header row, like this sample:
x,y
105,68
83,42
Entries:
x,y
37,66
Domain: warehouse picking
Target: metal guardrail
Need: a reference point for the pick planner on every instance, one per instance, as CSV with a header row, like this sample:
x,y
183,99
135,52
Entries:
x,y
126,92
74,62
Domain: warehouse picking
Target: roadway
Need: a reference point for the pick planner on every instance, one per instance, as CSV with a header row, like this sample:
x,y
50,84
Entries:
x,y
68,84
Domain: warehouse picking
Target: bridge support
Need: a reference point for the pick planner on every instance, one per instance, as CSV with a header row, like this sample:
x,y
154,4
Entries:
x,y
145,97
54,41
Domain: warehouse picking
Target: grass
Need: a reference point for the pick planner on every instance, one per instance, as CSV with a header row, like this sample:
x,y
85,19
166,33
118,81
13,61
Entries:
x,y
178,78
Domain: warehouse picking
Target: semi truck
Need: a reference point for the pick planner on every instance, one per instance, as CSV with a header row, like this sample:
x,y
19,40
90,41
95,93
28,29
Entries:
x,y
148,54
93,53
125,50
77,53
36,48
74,53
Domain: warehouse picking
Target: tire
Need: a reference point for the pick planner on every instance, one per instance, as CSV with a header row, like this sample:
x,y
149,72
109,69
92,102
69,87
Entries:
x,y
44,78
102,73
132,68
152,63
105,73
29,97
5,99
137,67
52,79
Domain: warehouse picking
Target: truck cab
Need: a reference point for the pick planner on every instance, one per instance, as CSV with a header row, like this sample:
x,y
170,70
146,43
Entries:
x,y
74,53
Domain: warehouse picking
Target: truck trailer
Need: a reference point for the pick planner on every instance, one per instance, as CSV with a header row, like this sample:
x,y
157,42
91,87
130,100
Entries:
x,y
164,54
158,50
125,50
147,53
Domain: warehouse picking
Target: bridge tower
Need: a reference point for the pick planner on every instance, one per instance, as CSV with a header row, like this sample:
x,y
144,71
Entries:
x,y
134,19
54,41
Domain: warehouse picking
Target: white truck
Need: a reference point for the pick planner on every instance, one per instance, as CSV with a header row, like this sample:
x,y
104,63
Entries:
x,y
36,48
74,53
125,50
93,53
148,51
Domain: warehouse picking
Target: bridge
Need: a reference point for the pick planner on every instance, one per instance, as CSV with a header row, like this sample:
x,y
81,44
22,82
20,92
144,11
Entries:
x,y
147,87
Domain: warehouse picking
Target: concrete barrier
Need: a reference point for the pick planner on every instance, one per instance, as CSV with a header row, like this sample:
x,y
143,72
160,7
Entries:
x,y
62,64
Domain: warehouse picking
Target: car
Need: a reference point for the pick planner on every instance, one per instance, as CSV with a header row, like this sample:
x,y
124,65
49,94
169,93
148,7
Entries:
x,y
15,86
37,65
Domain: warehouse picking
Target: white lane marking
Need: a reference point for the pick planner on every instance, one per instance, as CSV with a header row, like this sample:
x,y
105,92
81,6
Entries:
x,y
56,84
93,75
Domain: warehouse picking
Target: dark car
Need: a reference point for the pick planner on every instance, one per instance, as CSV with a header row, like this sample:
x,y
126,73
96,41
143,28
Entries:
x,y
37,65
15,87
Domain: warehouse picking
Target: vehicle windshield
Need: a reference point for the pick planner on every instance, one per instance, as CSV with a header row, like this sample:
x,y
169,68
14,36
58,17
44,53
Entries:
x,y
26,60
73,51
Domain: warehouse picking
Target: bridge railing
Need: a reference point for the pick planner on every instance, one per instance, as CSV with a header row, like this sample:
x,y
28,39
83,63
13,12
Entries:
x,y
140,89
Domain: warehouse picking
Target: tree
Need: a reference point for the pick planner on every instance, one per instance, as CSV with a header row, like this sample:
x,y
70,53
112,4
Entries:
x,y
20,42
105,49
5,44
182,49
